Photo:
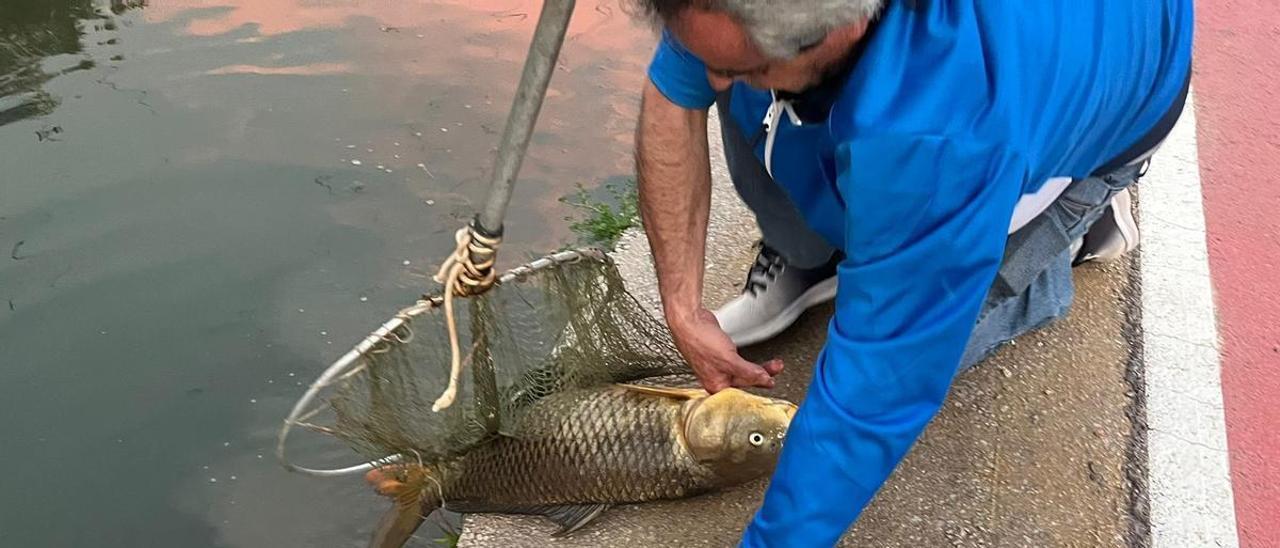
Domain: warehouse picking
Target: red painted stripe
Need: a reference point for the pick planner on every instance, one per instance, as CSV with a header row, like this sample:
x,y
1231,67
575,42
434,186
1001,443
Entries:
x,y
1238,106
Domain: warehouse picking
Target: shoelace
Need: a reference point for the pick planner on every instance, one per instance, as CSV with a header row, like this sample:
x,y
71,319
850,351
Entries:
x,y
766,268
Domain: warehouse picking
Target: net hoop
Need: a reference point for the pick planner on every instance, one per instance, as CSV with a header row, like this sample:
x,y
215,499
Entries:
x,y
348,364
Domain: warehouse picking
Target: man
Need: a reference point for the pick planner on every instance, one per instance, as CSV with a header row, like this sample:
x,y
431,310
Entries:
x,y
943,163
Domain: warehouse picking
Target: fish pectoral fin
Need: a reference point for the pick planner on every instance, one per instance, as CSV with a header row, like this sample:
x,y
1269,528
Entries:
x,y
667,392
570,518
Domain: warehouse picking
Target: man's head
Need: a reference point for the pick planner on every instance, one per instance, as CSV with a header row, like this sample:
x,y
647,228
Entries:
x,y
786,45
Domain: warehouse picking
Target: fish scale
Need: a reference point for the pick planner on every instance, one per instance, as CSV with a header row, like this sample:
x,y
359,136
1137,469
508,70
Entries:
x,y
588,445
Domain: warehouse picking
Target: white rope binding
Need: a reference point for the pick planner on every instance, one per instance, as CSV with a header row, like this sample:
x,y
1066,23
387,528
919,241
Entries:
x,y
461,276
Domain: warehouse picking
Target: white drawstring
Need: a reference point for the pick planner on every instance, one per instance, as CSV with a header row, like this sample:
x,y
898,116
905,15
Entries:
x,y
771,119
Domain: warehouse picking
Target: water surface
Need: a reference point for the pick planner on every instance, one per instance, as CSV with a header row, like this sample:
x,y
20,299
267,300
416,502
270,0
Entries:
x,y
186,238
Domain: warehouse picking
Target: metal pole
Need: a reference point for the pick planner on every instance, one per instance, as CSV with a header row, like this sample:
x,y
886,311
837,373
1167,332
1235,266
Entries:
x,y
538,67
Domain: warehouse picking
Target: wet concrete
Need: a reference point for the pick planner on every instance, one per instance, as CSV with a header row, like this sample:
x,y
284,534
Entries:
x,y
1033,447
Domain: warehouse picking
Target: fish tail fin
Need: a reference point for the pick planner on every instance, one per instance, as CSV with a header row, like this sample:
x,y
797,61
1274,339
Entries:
x,y
401,521
411,502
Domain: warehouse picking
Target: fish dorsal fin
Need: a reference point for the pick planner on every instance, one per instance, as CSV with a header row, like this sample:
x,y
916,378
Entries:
x,y
675,393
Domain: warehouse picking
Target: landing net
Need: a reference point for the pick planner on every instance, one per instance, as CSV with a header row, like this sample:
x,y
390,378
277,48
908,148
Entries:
x,y
559,322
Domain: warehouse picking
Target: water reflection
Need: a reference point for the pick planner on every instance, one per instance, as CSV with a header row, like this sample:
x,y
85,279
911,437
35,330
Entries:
x,y
208,200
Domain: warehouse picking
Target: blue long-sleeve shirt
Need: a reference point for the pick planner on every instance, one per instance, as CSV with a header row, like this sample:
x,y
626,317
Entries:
x,y
954,111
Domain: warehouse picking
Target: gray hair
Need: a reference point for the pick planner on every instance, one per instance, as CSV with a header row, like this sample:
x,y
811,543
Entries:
x,y
780,28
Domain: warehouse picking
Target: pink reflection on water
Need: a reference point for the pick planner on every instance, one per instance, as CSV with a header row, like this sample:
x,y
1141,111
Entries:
x,y
313,69
278,16
437,77
597,23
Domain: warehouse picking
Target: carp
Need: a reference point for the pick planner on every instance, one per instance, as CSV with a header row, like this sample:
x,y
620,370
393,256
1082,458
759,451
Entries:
x,y
579,451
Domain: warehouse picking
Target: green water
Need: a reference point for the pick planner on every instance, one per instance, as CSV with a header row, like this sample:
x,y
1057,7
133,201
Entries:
x,y
185,241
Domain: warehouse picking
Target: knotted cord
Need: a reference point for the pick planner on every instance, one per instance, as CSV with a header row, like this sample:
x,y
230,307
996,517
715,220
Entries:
x,y
466,272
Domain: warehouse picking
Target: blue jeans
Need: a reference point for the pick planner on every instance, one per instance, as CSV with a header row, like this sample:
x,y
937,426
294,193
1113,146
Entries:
x,y
1034,285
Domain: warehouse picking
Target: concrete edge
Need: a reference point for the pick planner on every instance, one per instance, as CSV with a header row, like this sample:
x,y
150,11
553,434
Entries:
x,y
1136,451
1189,480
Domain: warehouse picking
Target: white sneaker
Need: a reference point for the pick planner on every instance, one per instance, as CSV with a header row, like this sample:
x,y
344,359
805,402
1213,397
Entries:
x,y
1113,235
774,297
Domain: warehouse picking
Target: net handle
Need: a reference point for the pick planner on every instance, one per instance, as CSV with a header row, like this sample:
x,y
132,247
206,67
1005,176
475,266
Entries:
x,y
539,65
348,361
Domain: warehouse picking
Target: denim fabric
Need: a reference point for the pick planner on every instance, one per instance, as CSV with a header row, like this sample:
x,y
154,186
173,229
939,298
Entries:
x,y
1034,284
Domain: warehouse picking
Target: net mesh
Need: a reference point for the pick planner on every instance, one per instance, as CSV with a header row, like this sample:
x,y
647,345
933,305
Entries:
x,y
559,325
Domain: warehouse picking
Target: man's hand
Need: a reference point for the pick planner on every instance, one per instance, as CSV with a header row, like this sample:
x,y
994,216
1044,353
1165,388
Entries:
x,y
714,358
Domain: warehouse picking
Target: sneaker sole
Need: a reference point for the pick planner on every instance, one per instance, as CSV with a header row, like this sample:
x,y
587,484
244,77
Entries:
x,y
820,293
1125,226
1128,225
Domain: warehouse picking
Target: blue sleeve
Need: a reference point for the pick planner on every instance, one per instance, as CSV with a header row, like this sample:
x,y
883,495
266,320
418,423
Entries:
x,y
925,229
680,76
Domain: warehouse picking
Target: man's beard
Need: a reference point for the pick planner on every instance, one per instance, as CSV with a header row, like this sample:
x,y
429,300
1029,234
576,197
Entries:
x,y
830,74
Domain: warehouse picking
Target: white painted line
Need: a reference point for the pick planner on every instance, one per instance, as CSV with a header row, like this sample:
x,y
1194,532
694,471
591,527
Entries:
x,y
1189,475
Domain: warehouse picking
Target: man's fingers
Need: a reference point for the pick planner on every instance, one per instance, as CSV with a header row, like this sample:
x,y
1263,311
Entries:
x,y
716,360
746,373
715,383
773,367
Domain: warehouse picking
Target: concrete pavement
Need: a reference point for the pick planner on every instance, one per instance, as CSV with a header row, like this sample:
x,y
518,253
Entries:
x,y
1040,445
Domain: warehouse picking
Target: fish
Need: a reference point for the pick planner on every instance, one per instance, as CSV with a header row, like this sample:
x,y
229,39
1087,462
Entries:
x,y
579,451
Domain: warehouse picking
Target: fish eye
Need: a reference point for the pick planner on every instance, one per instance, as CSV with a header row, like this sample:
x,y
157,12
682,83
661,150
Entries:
x,y
756,439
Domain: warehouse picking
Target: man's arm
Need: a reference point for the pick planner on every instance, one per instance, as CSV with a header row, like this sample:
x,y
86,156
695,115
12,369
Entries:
x,y
673,167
